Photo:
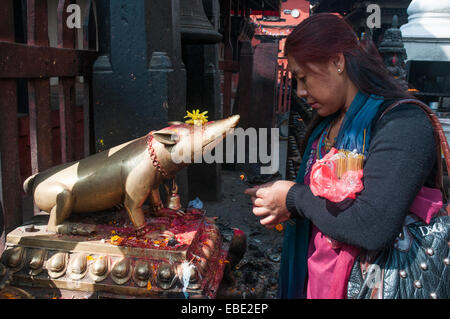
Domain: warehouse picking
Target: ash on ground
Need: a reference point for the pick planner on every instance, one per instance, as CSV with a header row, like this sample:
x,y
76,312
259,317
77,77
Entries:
x,y
256,274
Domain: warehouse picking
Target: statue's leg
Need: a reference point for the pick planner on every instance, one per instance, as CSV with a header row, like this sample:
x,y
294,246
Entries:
x,y
133,206
62,209
137,190
155,201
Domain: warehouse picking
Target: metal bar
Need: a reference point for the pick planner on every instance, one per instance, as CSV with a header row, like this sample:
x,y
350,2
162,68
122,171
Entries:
x,y
9,136
227,86
245,86
282,82
67,118
7,21
40,125
285,89
66,88
88,24
290,92
37,22
10,168
228,58
232,66
87,110
39,93
28,61
279,86
247,10
88,42
66,36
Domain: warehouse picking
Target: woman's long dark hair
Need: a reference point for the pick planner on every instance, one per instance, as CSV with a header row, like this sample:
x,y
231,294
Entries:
x,y
323,36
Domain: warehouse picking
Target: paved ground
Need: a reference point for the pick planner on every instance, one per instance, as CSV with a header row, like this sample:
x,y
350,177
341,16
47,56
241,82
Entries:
x,y
256,275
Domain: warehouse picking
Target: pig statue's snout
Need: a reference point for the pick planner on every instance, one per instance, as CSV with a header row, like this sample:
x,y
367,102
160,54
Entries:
x,y
215,131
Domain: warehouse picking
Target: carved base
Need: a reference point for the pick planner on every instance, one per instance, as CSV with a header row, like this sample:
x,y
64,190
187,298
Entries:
x,y
175,257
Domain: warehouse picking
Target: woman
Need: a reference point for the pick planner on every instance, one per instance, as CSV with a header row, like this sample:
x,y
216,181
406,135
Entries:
x,y
349,88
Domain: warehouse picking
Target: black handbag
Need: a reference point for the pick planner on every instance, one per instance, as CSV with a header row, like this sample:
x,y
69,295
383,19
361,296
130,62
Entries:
x,y
417,264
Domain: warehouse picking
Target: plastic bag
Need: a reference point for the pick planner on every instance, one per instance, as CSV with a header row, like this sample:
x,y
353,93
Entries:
x,y
337,176
196,203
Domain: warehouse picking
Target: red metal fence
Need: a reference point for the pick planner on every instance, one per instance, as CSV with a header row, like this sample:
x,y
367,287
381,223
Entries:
x,y
37,62
284,87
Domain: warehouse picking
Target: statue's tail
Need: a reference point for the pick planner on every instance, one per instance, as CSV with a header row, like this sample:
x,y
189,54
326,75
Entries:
x,y
28,184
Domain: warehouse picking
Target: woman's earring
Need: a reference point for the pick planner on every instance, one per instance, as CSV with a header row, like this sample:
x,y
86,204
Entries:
x,y
339,70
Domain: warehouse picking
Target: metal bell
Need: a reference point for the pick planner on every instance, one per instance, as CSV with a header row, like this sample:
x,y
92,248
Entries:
x,y
173,199
194,25
174,202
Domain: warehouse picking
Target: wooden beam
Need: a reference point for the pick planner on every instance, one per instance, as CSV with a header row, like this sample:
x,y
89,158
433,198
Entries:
x,y
229,66
29,61
39,93
66,88
9,133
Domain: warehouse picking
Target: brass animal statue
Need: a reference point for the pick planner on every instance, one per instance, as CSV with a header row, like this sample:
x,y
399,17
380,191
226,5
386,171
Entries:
x,y
126,174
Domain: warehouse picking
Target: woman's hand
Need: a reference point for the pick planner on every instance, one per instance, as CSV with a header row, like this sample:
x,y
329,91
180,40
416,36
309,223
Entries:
x,y
269,202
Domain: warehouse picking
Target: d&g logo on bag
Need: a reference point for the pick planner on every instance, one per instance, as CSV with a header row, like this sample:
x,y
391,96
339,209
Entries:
x,y
428,230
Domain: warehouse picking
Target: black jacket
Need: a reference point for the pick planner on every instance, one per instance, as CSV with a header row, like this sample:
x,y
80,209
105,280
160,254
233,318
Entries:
x,y
401,159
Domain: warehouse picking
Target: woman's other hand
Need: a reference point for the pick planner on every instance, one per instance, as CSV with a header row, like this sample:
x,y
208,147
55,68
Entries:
x,y
269,202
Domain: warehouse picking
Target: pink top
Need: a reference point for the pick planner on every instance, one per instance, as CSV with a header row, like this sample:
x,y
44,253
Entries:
x,y
322,257
322,260
326,260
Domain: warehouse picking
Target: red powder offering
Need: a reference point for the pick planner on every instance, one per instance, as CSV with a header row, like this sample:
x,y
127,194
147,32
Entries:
x,y
167,226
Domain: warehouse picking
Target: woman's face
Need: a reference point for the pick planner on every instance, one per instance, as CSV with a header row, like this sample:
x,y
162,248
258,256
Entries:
x,y
324,86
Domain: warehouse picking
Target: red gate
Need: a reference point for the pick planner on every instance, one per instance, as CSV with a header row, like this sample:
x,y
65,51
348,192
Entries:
x,y
37,62
284,87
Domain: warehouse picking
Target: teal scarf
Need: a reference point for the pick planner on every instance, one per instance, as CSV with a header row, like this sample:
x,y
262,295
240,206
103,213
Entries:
x,y
293,267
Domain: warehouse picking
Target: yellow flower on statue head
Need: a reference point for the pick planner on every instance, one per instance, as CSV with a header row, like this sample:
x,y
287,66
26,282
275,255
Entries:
x,y
196,117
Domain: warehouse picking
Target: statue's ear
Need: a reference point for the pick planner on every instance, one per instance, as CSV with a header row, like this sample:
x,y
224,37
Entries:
x,y
167,137
175,123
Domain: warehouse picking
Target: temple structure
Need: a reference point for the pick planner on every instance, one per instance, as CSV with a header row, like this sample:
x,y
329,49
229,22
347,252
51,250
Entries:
x,y
427,34
394,53
426,37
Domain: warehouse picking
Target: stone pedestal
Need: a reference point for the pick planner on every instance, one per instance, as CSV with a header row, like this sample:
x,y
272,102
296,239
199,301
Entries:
x,y
99,255
426,36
